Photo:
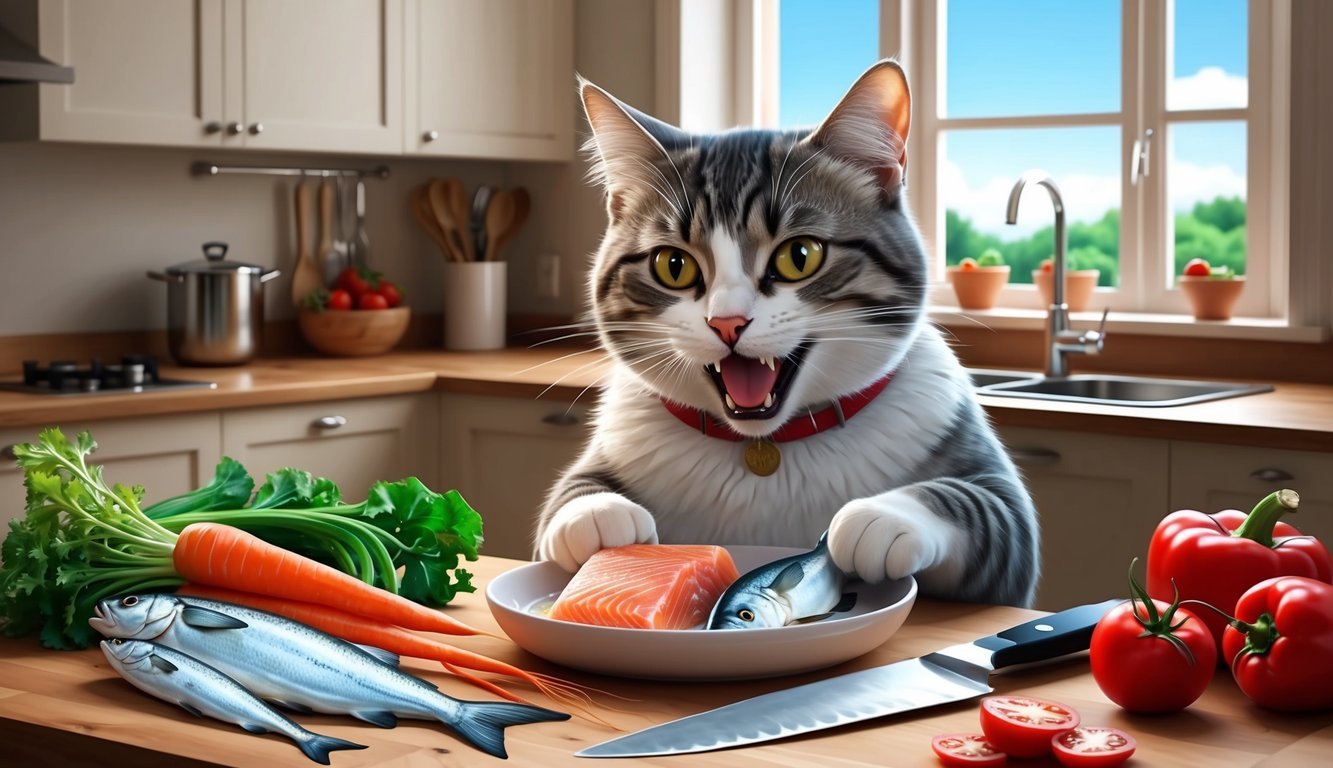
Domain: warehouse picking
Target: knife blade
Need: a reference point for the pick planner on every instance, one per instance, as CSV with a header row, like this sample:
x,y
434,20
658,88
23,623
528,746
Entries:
x,y
953,674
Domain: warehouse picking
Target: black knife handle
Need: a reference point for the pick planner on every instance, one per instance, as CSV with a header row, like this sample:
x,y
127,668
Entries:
x,y
1048,637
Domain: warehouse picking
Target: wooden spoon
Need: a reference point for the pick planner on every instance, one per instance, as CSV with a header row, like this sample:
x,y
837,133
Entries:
x,y
499,214
326,256
522,203
439,204
306,277
456,198
419,202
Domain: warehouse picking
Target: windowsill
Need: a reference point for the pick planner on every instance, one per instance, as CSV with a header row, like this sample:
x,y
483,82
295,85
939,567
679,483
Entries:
x,y
1140,323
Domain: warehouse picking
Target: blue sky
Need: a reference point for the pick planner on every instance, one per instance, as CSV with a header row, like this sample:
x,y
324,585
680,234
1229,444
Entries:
x,y
1033,57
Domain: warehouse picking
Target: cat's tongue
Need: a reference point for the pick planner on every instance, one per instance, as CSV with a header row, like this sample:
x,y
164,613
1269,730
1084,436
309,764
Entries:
x,y
748,381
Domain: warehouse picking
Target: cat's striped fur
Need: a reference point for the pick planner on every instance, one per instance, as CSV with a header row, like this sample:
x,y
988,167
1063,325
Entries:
x,y
915,483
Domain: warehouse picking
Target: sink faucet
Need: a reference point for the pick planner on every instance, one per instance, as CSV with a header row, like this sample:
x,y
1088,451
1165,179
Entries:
x,y
1060,339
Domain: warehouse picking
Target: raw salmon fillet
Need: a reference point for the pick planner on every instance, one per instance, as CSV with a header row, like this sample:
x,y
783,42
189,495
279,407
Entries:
x,y
647,586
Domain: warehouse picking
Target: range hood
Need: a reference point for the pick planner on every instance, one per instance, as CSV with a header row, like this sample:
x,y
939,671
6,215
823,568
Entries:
x,y
19,63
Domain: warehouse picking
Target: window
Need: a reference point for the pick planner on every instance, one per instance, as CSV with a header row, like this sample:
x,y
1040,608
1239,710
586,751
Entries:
x,y
1080,90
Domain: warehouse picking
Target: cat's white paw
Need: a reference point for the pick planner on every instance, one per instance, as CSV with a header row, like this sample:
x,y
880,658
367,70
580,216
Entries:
x,y
889,537
591,523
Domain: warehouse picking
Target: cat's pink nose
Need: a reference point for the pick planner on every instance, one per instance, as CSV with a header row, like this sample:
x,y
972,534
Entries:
x,y
729,328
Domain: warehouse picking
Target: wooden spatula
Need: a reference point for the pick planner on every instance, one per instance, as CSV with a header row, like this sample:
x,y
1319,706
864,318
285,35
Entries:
x,y
306,277
520,203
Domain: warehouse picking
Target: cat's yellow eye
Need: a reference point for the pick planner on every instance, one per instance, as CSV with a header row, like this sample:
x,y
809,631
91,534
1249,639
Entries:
x,y
798,258
675,268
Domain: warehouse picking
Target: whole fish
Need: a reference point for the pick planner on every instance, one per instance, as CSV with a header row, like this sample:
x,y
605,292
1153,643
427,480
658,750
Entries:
x,y
304,669
203,691
794,589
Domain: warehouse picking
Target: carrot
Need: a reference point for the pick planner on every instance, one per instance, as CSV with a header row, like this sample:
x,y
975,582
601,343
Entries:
x,y
357,629
223,556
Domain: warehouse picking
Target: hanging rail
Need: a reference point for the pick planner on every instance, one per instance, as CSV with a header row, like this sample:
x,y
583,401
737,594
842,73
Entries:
x,y
203,168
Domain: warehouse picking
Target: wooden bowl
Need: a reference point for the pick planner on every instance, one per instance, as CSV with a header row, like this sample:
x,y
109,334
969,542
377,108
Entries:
x,y
354,333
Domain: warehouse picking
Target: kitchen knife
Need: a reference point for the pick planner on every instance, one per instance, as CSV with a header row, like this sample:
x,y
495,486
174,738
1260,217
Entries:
x,y
954,674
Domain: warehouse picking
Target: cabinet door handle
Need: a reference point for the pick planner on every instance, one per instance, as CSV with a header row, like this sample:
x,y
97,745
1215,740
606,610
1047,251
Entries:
x,y
430,135
256,129
212,126
1272,475
329,422
235,129
1035,457
561,418
7,453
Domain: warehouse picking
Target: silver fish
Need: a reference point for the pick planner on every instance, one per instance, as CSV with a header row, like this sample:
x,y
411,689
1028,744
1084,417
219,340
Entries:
x,y
203,691
794,589
304,669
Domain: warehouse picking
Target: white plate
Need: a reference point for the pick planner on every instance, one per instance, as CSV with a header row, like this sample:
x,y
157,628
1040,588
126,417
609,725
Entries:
x,y
518,597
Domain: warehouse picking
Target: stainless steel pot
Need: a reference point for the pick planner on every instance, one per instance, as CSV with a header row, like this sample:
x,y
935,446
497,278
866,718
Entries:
x,y
215,308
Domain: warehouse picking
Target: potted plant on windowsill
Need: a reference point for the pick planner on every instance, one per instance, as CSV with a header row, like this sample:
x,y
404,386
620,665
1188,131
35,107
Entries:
x,y
978,282
1212,291
1079,284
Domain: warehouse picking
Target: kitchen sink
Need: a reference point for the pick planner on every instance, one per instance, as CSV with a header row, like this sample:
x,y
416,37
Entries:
x,y
982,377
1113,390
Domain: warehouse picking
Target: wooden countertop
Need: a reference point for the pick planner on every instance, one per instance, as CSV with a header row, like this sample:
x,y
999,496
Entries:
x,y
1295,415
70,708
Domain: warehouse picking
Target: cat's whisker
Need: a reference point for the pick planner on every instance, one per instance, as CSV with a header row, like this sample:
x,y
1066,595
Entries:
x,y
778,179
676,204
797,181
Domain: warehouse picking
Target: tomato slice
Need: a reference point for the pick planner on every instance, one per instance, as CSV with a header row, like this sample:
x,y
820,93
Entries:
x,y
1093,746
966,749
1021,726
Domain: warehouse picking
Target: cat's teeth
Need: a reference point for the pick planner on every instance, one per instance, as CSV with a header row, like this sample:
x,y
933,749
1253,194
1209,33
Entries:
x,y
731,403
718,366
769,362
768,401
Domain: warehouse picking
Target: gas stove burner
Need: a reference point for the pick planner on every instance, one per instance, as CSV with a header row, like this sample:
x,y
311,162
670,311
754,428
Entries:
x,y
134,373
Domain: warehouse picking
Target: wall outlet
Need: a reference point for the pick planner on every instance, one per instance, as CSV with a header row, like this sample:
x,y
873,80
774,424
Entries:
x,y
548,276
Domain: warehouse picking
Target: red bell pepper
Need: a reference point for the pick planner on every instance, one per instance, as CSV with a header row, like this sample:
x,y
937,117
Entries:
x,y
1215,558
1281,644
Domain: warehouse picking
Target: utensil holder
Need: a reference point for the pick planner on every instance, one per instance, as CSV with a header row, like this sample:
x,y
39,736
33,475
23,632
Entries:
x,y
474,305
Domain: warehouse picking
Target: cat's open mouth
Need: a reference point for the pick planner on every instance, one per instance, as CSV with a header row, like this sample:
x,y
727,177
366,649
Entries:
x,y
751,387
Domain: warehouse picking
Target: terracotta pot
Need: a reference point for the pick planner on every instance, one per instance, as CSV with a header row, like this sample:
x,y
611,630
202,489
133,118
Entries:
x,y
1211,299
978,288
1079,284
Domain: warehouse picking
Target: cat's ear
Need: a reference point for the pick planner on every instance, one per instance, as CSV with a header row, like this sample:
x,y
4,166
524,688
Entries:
x,y
869,126
626,145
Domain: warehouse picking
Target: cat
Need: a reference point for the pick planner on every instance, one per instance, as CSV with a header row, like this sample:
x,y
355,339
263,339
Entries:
x,y
747,282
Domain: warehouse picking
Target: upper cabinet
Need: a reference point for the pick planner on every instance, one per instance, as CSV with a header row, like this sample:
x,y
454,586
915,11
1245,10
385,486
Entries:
x,y
490,78
461,78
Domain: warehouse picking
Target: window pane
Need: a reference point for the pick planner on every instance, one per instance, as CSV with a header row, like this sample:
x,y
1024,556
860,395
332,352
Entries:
x,y
1208,68
823,46
980,167
1031,57
1206,186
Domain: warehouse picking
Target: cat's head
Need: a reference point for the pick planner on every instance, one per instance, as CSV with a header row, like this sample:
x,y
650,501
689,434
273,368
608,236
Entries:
x,y
755,274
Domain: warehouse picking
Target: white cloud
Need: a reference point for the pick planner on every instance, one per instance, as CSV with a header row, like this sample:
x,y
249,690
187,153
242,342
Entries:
x,y
1087,197
1209,88
1190,183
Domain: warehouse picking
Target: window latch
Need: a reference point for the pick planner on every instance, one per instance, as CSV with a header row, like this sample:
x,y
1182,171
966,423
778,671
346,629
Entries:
x,y
1139,155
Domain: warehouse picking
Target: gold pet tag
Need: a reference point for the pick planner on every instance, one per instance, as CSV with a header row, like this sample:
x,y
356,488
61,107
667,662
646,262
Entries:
x,y
762,457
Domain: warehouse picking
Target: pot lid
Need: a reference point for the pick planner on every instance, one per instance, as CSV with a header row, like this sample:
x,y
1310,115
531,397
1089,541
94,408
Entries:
x,y
214,262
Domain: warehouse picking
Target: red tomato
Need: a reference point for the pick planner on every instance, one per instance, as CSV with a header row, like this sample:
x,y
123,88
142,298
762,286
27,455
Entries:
x,y
966,749
1021,726
352,281
1198,268
1152,656
339,300
390,293
371,301
967,265
1047,265
1093,747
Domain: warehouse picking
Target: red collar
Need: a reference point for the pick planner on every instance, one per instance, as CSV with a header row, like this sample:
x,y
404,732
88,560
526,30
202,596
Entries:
x,y
799,427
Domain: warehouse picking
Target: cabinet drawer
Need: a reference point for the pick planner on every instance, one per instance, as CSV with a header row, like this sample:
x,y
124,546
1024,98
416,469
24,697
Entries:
x,y
352,442
1210,477
167,455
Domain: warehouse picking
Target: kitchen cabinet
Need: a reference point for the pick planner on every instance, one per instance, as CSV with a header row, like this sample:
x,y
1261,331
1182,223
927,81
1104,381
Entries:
x,y
167,455
1098,498
310,75
1210,477
352,442
490,78
503,454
